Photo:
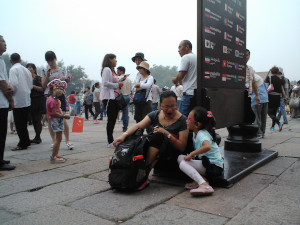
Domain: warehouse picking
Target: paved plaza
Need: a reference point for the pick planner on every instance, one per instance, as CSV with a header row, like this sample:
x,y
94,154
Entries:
x,y
77,192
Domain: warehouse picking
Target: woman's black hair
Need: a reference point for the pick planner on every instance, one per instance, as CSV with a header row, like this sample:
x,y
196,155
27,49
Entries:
x,y
50,56
72,92
107,63
167,94
206,119
32,66
94,86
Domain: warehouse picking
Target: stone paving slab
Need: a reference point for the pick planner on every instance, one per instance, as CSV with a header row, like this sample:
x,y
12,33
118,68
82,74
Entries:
x,y
36,180
92,154
6,216
114,205
293,140
290,177
174,215
225,202
89,167
275,205
100,176
35,166
59,215
288,149
60,193
276,166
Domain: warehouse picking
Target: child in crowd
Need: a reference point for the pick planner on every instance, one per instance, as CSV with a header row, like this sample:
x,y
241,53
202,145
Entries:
x,y
209,162
56,116
78,104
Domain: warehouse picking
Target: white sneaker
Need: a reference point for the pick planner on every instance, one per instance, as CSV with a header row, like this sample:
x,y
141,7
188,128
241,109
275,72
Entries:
x,y
110,145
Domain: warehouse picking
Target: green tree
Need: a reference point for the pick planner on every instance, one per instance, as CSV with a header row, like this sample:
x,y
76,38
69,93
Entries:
x,y
163,74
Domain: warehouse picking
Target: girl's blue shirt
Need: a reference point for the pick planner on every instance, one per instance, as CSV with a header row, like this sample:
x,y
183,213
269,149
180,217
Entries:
x,y
213,154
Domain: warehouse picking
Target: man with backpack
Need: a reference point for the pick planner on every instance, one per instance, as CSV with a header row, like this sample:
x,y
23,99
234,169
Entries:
x,y
88,103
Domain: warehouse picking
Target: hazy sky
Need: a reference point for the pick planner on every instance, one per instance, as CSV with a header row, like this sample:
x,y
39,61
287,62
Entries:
x,y
82,32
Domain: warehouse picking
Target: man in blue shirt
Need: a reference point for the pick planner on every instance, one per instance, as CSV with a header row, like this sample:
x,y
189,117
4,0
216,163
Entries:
x,y
6,101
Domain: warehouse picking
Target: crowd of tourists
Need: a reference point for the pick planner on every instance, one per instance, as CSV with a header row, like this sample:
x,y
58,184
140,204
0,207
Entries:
x,y
168,115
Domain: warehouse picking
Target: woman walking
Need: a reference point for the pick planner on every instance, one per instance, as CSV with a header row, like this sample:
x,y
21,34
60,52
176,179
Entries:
x,y
109,91
275,95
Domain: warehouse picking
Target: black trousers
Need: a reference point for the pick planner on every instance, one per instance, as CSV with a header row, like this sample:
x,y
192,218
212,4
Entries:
x,y
141,111
97,109
88,108
3,132
36,110
21,120
112,112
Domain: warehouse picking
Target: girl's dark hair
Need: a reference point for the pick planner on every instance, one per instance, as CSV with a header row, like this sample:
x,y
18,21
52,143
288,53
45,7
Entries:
x,y
208,122
50,56
32,66
72,92
167,94
94,86
107,63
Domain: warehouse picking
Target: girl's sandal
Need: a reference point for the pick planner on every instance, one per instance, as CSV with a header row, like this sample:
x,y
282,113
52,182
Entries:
x,y
191,185
202,190
54,160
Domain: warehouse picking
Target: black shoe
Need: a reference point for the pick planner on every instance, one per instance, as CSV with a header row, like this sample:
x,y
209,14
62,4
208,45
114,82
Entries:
x,y
7,167
124,129
5,161
36,141
100,119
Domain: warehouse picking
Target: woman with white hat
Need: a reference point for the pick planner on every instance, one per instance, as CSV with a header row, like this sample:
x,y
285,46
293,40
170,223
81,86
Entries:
x,y
143,86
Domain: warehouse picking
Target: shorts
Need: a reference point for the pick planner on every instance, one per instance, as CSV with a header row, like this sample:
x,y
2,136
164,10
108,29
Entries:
x,y
57,124
72,107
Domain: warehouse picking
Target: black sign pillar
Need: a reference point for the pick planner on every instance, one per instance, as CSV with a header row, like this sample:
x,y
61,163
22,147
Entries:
x,y
221,76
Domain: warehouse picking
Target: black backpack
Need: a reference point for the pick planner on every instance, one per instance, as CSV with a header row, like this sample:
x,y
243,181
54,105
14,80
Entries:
x,y
128,169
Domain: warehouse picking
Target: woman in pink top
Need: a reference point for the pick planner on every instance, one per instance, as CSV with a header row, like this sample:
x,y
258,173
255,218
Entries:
x,y
109,91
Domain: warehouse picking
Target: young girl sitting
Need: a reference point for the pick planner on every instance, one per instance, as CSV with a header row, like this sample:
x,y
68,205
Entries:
x,y
202,123
56,116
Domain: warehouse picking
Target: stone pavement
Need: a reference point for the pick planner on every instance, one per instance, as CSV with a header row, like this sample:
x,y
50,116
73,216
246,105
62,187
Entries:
x,y
77,192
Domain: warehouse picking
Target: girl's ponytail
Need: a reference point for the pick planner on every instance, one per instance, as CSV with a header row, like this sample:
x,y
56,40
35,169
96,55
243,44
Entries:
x,y
207,120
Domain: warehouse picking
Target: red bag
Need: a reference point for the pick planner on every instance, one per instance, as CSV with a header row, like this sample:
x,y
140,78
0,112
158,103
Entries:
x,y
77,125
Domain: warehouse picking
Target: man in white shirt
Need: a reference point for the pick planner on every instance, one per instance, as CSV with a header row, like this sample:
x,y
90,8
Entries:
x,y
178,90
126,92
21,80
187,74
6,101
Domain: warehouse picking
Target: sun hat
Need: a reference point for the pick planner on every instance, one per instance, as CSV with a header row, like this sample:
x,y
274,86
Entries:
x,y
138,54
57,83
144,65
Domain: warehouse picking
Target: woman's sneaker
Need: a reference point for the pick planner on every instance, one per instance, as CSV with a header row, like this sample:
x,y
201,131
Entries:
x,y
272,128
96,122
70,146
280,126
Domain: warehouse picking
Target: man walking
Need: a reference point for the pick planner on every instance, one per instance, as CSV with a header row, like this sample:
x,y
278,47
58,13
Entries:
x,y
126,92
88,103
187,74
6,101
281,109
21,80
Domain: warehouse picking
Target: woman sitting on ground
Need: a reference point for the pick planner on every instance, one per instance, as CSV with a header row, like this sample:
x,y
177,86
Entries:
x,y
170,130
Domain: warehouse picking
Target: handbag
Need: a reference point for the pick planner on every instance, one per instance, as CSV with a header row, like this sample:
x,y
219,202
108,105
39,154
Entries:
x,y
140,96
271,86
120,102
77,125
294,102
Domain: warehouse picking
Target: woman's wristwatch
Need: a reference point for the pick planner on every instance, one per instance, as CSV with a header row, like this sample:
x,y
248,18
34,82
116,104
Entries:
x,y
169,135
